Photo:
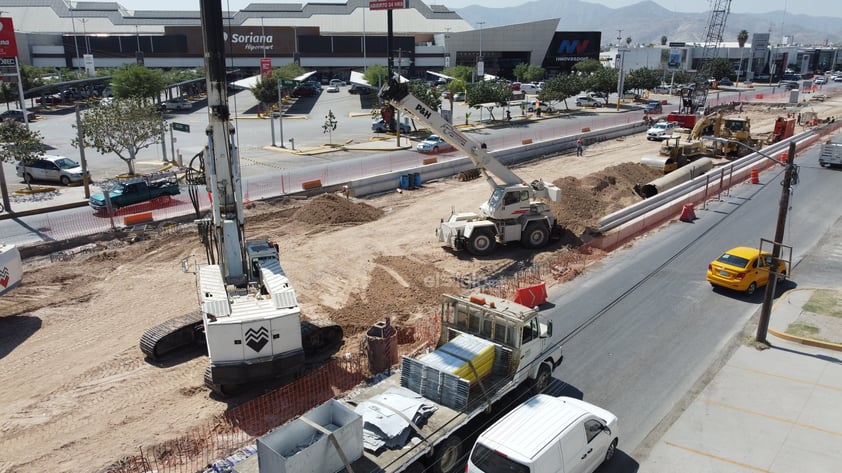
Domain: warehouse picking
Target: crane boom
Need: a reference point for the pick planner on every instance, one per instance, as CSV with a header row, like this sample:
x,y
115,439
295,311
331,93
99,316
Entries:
x,y
397,95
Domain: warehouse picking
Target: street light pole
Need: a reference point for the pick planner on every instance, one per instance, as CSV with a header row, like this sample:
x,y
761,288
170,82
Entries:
x,y
480,62
790,179
280,112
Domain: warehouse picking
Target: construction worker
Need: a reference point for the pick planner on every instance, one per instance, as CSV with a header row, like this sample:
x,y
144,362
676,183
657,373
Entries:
x,y
579,145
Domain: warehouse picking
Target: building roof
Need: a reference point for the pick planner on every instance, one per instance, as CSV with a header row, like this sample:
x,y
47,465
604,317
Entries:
x,y
55,16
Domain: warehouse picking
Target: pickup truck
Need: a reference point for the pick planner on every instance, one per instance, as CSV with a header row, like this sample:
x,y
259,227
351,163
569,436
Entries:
x,y
127,192
487,347
831,155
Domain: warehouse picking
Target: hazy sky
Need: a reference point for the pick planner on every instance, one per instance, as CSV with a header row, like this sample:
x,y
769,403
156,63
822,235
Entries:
x,y
831,8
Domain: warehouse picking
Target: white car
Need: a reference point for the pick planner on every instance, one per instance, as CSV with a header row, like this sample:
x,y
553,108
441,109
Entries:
x,y
178,104
332,88
51,168
820,80
337,82
433,144
661,131
587,101
532,105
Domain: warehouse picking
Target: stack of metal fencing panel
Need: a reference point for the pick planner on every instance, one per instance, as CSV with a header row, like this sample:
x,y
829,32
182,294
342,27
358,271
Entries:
x,y
445,375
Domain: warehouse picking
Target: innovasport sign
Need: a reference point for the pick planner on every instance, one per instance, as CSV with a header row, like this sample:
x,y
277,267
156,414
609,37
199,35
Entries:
x,y
8,46
570,47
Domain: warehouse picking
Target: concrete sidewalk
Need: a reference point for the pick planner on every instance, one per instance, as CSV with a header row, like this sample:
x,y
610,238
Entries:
x,y
773,410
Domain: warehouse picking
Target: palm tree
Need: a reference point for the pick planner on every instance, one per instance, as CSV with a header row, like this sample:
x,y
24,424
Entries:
x,y
742,37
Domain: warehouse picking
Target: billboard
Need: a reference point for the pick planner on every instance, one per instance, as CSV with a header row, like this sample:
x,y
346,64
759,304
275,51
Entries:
x,y
674,60
570,47
8,46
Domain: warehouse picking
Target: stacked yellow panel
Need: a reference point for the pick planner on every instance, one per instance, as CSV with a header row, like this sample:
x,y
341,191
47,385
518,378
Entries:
x,y
452,357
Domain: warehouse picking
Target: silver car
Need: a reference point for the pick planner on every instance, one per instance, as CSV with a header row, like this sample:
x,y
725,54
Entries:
x,y
51,168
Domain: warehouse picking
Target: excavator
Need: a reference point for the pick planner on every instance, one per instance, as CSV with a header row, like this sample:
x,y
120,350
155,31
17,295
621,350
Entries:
x,y
248,317
515,212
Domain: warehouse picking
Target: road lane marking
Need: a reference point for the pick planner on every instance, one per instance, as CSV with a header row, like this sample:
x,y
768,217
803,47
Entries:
x,y
787,378
779,419
716,457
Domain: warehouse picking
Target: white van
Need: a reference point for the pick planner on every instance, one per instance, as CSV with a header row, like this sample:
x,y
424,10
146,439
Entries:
x,y
547,434
529,88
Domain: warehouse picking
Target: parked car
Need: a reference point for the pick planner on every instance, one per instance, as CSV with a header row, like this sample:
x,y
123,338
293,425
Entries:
x,y
51,168
533,105
312,84
379,126
725,81
361,89
653,108
304,91
743,269
177,104
433,144
818,97
586,101
661,130
17,115
332,88
337,82
53,99
529,88
820,80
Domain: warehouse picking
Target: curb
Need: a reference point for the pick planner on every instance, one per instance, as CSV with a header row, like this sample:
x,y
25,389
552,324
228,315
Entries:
x,y
802,340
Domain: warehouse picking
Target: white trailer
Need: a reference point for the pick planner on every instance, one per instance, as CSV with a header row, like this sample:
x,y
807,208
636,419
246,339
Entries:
x,y
513,344
11,268
831,155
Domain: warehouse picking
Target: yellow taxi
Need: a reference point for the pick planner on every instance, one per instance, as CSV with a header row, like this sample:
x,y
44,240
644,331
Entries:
x,y
743,269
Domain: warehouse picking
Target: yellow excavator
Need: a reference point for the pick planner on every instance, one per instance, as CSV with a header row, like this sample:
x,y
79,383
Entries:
x,y
736,129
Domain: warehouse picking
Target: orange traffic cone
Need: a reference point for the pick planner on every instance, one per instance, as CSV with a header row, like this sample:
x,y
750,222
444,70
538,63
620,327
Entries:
x,y
687,213
755,176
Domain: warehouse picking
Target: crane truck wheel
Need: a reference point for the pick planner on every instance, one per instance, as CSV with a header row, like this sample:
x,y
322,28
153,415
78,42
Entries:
x,y
542,380
481,243
536,235
446,455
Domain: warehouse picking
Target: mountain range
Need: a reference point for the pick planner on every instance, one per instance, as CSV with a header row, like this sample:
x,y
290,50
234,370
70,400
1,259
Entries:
x,y
646,22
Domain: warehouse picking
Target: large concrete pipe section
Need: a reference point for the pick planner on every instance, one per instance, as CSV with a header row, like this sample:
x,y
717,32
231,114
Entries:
x,y
680,175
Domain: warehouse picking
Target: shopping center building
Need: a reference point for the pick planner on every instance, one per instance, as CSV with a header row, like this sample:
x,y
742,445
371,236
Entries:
x,y
332,38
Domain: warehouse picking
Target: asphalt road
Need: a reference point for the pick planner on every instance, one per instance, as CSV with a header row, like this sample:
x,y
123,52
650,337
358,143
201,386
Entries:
x,y
643,326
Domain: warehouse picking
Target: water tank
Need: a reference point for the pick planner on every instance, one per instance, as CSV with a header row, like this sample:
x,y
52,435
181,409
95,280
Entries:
x,y
382,342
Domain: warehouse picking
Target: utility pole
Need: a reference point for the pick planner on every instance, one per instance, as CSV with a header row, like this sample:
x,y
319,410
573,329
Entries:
x,y
790,178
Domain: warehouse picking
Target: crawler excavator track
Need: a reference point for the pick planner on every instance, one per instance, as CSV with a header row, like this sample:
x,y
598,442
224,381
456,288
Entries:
x,y
320,340
171,335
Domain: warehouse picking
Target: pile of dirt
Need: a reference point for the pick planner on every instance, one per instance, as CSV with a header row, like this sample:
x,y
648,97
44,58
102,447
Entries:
x,y
335,210
585,200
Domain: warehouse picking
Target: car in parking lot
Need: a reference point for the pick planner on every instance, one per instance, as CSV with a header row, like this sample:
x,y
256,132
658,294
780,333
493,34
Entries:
x,y
17,115
51,168
653,108
337,82
433,144
361,89
379,126
332,88
743,269
53,99
586,101
177,104
304,91
820,80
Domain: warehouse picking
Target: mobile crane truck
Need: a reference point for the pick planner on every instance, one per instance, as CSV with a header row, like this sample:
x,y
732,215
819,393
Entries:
x,y
513,213
248,312
487,348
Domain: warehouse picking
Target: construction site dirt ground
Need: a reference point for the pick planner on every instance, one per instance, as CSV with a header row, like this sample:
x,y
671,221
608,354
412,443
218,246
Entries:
x,y
79,395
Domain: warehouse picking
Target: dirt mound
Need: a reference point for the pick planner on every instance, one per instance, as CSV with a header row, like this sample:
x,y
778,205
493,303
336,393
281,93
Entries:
x,y
584,201
334,210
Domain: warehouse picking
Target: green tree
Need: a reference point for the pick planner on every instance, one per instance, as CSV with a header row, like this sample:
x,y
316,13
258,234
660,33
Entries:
x,y
8,93
603,81
288,71
19,143
329,125
520,71
720,67
376,75
534,73
560,88
664,40
493,92
642,79
265,90
465,73
425,93
123,127
138,82
588,66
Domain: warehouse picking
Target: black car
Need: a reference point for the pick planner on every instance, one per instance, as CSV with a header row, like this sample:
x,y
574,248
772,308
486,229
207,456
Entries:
x,y
17,115
304,91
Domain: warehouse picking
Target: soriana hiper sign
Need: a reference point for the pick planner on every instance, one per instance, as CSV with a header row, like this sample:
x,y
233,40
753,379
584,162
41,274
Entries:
x,y
8,47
